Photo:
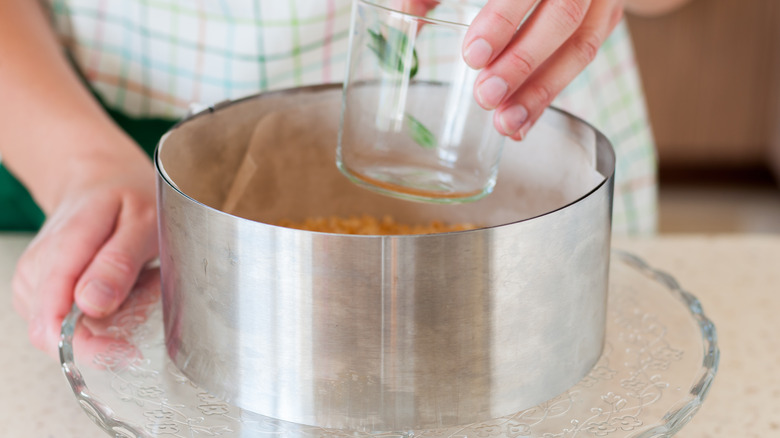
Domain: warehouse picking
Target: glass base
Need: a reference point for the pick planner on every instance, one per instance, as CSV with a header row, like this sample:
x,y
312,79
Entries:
x,y
415,184
659,361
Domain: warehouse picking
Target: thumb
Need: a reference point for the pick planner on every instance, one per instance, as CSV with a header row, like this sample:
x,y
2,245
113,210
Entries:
x,y
108,279
419,8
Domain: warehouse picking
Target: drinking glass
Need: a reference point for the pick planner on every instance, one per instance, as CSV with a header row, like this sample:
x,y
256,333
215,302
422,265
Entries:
x,y
410,126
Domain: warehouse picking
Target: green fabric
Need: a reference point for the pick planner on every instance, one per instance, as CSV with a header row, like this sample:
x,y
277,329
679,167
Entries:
x,y
18,210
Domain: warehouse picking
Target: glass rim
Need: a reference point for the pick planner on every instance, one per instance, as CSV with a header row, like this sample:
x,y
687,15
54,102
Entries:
x,y
469,4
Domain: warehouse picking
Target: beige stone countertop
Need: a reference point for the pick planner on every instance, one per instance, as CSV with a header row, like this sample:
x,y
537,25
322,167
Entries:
x,y
736,278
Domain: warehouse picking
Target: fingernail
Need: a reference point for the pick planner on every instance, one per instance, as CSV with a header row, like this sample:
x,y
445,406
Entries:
x,y
98,296
491,92
513,118
478,53
523,131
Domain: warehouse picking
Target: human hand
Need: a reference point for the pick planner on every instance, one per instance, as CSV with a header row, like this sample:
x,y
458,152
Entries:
x,y
523,70
99,235
98,343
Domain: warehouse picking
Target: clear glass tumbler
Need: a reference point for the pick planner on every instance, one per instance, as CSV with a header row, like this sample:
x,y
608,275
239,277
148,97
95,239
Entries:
x,y
410,126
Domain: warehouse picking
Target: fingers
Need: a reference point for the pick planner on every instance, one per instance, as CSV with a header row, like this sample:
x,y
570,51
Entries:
x,y
550,25
492,29
518,113
95,244
48,270
93,338
91,347
419,8
109,277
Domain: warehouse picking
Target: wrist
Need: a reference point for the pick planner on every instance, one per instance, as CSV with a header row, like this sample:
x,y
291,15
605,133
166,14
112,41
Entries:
x,y
76,159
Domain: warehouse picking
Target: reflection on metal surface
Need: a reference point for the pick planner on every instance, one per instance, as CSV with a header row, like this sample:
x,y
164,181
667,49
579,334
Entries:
x,y
374,333
660,359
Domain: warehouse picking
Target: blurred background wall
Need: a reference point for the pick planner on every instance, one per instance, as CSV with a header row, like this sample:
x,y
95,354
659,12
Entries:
x,y
711,74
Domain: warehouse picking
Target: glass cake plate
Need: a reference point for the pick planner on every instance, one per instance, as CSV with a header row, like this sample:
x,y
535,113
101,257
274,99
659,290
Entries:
x,y
659,360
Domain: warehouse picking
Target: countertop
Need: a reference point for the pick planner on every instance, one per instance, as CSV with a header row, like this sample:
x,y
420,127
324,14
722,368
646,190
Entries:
x,y
736,278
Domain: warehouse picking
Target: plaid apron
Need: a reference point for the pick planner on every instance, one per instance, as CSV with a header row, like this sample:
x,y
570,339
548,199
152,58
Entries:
x,y
148,60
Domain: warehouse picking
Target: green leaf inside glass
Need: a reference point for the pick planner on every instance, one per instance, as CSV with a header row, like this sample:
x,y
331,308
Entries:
x,y
420,134
390,50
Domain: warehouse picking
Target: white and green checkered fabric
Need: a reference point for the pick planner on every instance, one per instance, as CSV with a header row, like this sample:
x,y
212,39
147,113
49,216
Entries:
x,y
156,57
608,94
